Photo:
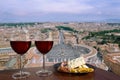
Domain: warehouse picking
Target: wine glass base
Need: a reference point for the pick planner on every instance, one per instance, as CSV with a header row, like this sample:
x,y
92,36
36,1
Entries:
x,y
20,76
43,73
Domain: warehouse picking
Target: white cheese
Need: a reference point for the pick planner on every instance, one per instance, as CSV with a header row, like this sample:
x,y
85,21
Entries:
x,y
76,62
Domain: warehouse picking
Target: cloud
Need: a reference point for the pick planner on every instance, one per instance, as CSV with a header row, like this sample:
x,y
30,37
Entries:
x,y
68,6
21,7
39,8
25,7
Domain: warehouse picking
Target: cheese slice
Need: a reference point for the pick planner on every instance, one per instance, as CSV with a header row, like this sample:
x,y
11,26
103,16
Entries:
x,y
76,62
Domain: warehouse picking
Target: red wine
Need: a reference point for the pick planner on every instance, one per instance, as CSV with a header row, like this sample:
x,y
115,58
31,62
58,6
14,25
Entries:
x,y
20,47
44,46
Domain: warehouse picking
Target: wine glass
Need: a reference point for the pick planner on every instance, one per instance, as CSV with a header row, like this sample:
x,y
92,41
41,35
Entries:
x,y
44,47
20,45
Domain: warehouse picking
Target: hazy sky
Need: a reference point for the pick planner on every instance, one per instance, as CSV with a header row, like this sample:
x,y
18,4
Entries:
x,y
58,10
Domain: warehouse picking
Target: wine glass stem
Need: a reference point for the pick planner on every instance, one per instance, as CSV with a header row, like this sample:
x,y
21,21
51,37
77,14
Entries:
x,y
44,62
21,65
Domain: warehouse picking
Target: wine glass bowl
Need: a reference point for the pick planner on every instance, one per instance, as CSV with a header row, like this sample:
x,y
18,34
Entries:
x,y
44,47
20,47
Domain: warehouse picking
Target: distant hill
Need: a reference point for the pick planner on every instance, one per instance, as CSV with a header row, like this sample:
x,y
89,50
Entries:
x,y
112,20
18,24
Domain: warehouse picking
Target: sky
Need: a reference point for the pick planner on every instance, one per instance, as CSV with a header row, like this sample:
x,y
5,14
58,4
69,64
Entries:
x,y
58,10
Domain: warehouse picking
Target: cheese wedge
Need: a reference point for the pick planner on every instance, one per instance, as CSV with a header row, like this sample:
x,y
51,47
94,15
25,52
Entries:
x,y
76,63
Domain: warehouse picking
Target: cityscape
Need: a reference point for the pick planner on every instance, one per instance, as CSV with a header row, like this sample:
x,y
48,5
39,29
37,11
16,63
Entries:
x,y
97,42
60,39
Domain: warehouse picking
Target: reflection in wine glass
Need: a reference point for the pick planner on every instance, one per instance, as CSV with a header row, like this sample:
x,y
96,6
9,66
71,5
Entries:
x,y
20,45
